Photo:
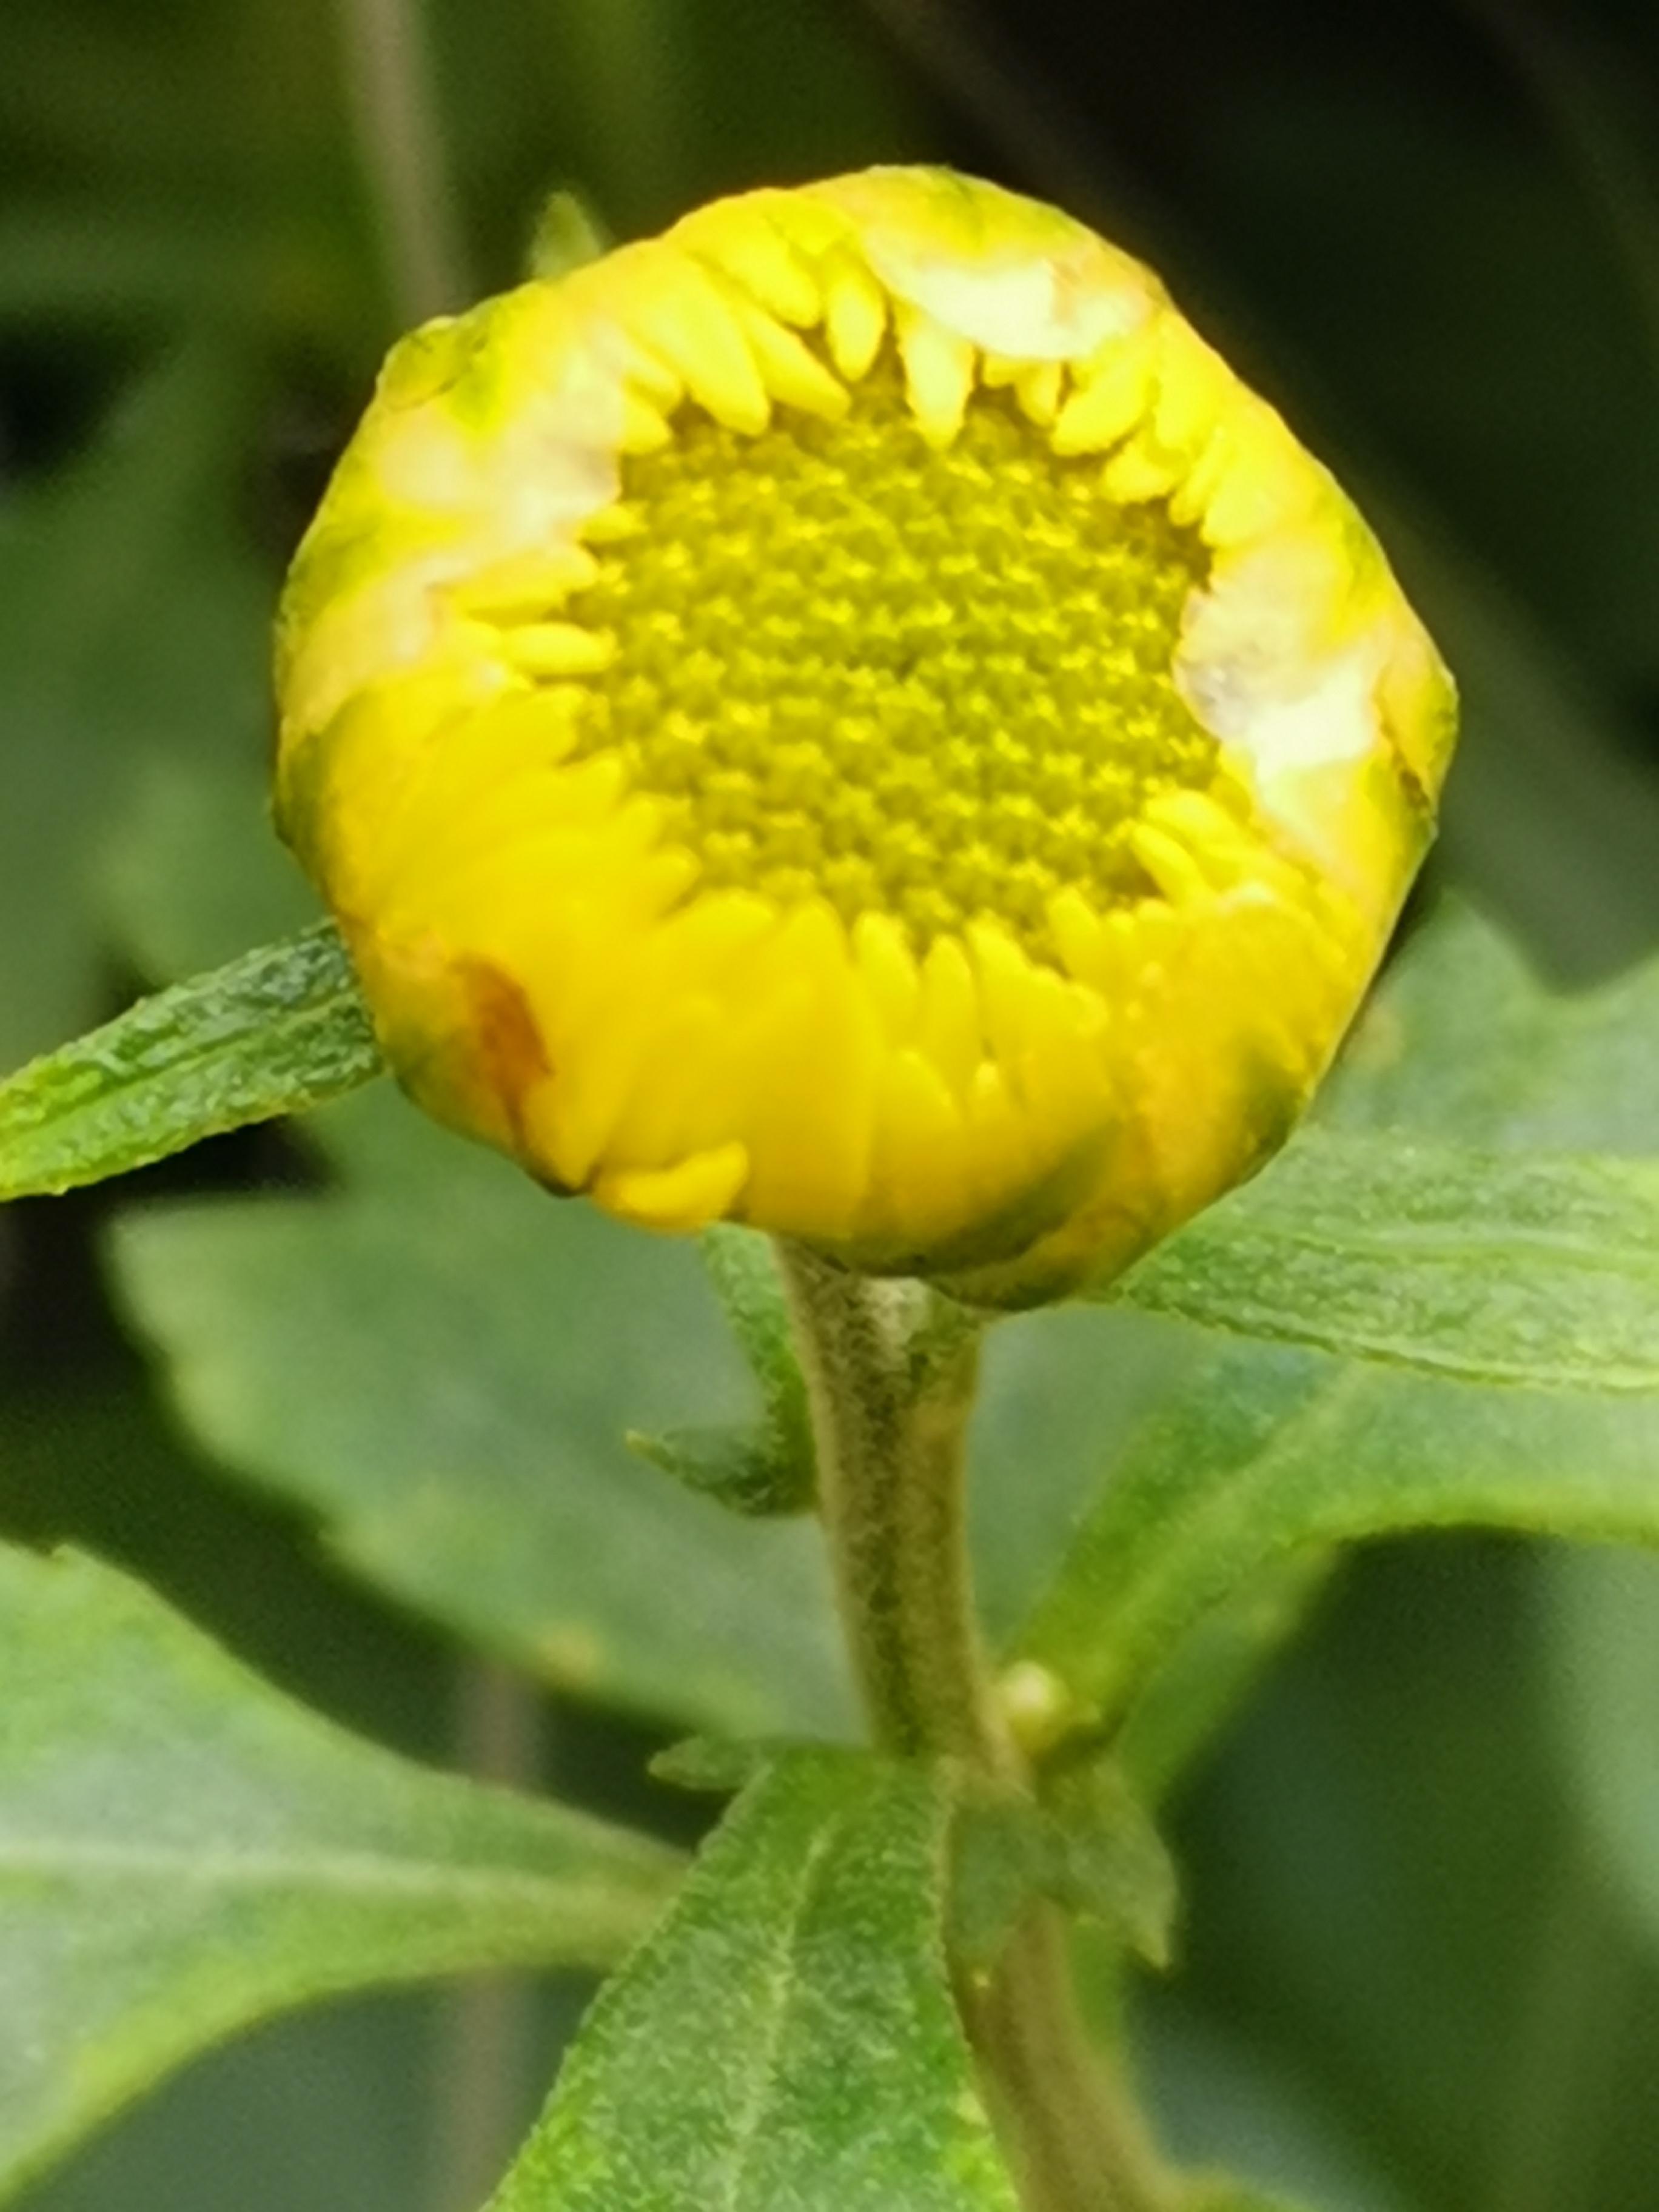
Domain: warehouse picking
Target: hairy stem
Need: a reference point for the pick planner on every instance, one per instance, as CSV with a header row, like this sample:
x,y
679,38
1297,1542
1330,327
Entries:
x,y
892,1369
890,1372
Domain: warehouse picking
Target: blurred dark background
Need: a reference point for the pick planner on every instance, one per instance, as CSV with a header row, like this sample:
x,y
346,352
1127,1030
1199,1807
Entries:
x,y
1429,230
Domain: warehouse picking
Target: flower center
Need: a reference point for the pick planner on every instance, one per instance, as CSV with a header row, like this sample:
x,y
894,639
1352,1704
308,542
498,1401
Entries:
x,y
936,684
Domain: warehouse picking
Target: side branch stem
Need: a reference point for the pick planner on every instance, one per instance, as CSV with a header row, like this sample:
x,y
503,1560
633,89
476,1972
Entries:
x,y
892,1369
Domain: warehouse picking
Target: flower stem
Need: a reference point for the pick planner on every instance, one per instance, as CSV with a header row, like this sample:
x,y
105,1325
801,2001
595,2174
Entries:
x,y
890,1369
890,1372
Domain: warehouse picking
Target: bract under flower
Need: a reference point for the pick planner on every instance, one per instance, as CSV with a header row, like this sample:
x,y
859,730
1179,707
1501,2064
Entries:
x,y
848,717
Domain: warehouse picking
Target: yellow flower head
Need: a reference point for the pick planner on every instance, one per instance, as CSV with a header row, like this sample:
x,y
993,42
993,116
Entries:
x,y
848,717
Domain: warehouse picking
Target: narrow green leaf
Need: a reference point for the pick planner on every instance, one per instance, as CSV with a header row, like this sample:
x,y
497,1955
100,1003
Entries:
x,y
1088,1845
183,1850
738,1467
768,1467
1541,1269
1277,1449
744,1270
569,232
1109,1863
280,1030
787,2036
1268,1452
715,1766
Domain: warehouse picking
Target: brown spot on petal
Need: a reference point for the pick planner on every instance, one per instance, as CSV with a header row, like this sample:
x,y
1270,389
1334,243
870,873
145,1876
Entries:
x,y
510,1049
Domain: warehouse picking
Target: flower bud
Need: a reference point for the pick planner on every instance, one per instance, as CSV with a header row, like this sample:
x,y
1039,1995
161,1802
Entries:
x,y
848,718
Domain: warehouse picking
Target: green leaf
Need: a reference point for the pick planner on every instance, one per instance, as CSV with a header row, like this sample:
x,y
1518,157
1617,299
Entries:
x,y
1278,1450
735,1467
183,1850
133,618
569,234
1089,1846
1541,1269
1269,1450
744,1269
1108,1862
770,1466
441,1363
715,1766
787,2036
282,1029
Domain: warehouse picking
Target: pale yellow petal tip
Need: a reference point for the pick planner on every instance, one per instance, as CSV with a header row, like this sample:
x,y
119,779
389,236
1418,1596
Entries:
x,y
848,717
741,238
855,317
1108,401
554,649
683,1198
938,375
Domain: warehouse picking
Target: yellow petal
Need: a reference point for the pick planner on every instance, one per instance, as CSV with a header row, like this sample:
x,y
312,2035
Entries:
x,y
681,313
948,1024
1108,400
791,372
643,428
558,649
855,316
685,1197
918,1170
1039,386
1194,387
741,239
812,1052
938,375
525,583
888,967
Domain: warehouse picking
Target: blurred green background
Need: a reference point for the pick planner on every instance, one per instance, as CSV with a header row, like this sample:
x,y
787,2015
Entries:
x,y
1421,1964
